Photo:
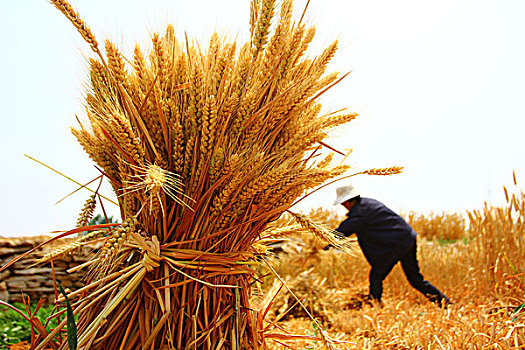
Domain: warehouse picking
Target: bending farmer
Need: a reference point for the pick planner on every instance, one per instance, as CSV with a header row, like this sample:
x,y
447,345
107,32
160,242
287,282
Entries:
x,y
385,239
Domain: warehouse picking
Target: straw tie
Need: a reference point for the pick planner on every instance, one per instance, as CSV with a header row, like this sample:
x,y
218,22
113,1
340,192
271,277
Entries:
x,y
151,251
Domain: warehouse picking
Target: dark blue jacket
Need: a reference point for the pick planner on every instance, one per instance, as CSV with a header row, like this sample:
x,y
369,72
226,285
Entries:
x,y
382,234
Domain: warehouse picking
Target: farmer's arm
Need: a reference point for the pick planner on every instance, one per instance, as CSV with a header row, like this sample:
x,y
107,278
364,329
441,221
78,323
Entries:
x,y
346,228
350,226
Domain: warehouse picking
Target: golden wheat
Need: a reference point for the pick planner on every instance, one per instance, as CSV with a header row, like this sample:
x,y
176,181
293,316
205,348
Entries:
x,y
204,148
80,25
87,211
384,171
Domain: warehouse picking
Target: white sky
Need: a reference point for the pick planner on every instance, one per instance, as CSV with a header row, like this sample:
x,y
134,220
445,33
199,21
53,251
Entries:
x,y
439,86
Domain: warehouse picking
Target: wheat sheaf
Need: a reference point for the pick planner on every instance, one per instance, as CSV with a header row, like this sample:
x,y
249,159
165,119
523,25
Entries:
x,y
204,148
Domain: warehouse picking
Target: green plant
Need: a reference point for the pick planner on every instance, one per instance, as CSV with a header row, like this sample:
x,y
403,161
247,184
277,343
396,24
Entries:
x,y
14,328
100,219
71,325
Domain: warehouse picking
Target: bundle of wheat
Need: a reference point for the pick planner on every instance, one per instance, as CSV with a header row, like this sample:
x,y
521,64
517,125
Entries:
x,y
204,148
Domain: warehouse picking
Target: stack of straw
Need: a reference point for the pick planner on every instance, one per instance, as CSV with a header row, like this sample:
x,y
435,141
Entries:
x,y
204,149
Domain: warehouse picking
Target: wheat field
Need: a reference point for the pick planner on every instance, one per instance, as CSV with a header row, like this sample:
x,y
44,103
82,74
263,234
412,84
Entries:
x,y
482,271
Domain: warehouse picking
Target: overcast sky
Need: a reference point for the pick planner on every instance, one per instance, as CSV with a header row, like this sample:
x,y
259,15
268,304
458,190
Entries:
x,y
439,86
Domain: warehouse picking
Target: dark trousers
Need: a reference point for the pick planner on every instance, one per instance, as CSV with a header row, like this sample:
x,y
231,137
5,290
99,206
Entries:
x,y
411,268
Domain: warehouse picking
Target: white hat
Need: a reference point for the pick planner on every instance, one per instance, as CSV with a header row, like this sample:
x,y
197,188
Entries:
x,y
345,193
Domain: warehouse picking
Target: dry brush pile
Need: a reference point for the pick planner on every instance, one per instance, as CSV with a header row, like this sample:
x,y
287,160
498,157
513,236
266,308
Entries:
x,y
204,148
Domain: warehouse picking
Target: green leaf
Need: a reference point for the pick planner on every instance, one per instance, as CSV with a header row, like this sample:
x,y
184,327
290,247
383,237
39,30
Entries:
x,y
518,308
71,326
510,264
515,312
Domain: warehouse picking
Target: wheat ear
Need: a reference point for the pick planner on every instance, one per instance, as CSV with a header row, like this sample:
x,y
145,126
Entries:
x,y
384,171
70,247
87,211
64,7
324,234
